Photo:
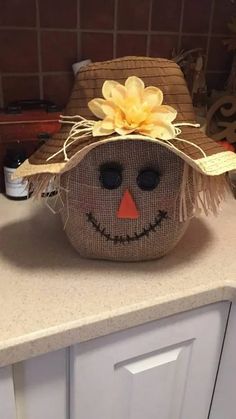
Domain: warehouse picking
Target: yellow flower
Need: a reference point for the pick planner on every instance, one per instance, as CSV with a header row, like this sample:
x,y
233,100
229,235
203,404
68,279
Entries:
x,y
132,108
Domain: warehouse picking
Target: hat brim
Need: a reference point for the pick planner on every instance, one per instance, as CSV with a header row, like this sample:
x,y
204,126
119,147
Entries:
x,y
199,151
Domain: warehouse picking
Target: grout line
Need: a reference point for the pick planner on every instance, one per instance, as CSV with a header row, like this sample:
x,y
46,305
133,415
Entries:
x,y
79,49
204,35
180,27
33,28
97,30
39,50
1,93
111,31
219,35
127,32
45,29
44,73
115,28
209,33
19,28
149,29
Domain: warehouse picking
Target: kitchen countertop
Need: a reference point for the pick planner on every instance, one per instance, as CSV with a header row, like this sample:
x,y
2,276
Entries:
x,y
51,298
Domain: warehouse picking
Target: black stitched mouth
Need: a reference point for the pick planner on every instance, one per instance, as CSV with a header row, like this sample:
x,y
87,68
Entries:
x,y
162,215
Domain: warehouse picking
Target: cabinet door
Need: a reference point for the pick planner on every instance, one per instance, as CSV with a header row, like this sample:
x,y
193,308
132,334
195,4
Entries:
x,y
224,401
162,370
41,387
7,396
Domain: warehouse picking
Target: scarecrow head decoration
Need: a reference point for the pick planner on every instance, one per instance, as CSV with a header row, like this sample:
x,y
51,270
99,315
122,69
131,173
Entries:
x,y
131,164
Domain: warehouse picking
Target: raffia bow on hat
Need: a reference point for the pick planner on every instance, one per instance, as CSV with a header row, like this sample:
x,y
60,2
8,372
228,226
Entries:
x,y
129,111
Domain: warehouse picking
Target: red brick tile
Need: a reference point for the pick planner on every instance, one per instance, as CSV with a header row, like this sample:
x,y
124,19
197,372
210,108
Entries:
x,y
219,58
17,13
224,10
97,14
133,14
166,15
58,88
162,45
58,13
190,42
18,51
59,50
216,80
97,46
22,87
131,45
196,16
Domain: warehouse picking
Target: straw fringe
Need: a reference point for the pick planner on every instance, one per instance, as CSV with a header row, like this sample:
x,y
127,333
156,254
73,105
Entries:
x,y
205,194
199,192
40,183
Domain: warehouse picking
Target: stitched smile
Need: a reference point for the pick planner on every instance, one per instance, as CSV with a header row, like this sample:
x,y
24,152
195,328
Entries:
x,y
162,215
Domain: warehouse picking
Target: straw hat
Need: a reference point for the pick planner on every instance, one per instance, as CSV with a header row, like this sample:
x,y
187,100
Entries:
x,y
76,137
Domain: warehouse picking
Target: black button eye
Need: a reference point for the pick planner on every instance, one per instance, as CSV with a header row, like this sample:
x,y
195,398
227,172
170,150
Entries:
x,y
110,176
148,179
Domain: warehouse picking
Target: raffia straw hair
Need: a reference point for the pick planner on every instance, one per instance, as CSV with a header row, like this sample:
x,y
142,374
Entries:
x,y
205,193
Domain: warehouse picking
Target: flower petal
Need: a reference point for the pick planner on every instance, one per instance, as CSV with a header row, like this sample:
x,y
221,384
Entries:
x,y
152,96
95,106
119,94
163,112
124,131
162,130
134,86
99,129
109,108
107,88
108,123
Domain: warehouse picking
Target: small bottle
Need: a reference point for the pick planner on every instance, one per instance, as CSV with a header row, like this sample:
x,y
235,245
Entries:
x,y
16,189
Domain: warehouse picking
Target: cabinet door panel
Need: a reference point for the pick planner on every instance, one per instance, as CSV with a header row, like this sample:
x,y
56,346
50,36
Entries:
x,y
164,369
7,396
41,387
145,387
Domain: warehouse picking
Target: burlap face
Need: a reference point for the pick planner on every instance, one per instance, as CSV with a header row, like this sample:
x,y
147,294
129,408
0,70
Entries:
x,y
90,215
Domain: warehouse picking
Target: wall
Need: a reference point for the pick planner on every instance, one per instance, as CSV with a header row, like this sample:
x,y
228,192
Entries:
x,y
40,39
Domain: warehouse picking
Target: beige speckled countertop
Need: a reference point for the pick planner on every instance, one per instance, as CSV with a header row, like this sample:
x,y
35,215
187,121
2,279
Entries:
x,y
50,298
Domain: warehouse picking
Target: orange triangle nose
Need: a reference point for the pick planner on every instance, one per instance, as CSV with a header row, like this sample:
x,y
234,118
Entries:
x,y
127,208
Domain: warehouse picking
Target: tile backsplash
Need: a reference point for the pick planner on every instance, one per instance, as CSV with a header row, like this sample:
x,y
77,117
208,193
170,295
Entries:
x,y
40,39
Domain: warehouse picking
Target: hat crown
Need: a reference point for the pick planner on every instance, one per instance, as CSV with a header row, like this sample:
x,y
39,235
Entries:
x,y
157,72
67,148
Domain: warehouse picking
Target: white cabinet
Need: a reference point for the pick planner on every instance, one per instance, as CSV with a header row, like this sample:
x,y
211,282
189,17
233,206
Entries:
x,y
36,388
165,369
224,401
7,396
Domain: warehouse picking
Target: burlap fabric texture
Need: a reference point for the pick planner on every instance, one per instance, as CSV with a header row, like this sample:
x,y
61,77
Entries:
x,y
90,215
